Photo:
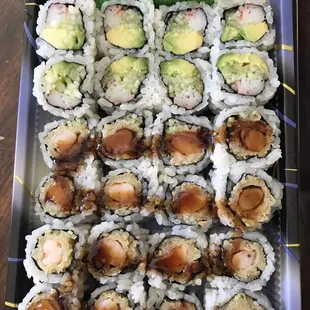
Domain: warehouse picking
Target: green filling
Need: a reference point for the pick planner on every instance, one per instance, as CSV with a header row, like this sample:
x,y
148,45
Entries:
x,y
179,74
234,67
235,31
128,71
64,77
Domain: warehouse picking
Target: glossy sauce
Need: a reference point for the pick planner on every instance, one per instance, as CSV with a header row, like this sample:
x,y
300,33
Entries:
x,y
187,143
250,198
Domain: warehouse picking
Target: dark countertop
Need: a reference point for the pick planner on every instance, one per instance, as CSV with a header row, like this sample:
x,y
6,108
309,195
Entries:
x,y
11,32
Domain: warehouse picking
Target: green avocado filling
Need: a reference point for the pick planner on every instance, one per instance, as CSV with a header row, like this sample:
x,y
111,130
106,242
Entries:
x,y
128,71
180,38
68,34
234,67
130,33
65,78
234,30
179,74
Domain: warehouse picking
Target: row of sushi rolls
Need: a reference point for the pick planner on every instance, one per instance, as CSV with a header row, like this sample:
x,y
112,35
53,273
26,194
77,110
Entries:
x,y
158,186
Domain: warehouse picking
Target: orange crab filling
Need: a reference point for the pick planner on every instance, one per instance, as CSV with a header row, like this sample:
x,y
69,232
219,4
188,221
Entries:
x,y
186,143
60,193
250,198
122,142
123,192
189,201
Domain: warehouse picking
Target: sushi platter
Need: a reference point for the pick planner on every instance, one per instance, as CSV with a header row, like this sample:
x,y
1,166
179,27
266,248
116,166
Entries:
x,y
156,157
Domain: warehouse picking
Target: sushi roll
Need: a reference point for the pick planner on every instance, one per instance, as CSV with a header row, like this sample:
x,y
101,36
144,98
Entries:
x,y
240,260
189,201
235,299
117,252
125,25
72,196
183,143
126,196
125,295
65,142
183,85
178,257
246,23
66,26
54,250
242,77
246,135
186,28
172,299
125,82
247,198
124,137
63,86
45,296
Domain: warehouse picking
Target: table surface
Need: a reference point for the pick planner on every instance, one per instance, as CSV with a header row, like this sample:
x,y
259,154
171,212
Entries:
x,y
11,33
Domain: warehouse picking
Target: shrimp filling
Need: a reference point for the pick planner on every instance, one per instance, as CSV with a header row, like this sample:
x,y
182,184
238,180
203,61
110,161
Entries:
x,y
116,252
177,258
177,305
111,300
242,301
46,301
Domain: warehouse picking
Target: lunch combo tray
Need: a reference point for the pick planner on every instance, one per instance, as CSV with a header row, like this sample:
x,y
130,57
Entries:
x,y
283,289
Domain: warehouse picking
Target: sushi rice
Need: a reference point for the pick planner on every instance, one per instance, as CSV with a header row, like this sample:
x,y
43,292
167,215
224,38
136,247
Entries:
x,y
224,184
87,10
162,101
87,185
227,282
157,297
159,280
222,99
265,43
144,98
165,216
212,27
140,124
138,234
56,132
222,158
86,88
186,121
146,7
213,299
79,235
134,292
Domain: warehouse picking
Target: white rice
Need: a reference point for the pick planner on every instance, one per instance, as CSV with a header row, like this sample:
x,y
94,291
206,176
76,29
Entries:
x,y
145,173
161,100
79,251
87,9
134,291
144,100
147,133
159,280
87,104
139,234
147,9
225,282
91,124
157,296
158,130
213,299
170,219
220,179
266,43
222,99
221,157
213,26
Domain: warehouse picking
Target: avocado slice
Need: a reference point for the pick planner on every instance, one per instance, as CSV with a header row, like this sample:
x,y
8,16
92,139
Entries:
x,y
180,43
230,33
128,64
253,32
177,67
126,37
